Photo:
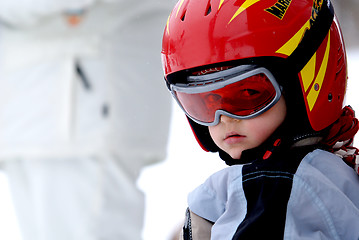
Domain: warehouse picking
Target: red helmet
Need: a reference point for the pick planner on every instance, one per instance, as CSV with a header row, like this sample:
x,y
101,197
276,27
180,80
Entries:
x,y
304,34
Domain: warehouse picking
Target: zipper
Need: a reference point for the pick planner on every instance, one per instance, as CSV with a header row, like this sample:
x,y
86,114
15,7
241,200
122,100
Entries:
x,y
187,228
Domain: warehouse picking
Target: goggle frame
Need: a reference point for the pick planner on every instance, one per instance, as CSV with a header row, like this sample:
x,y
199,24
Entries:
x,y
217,80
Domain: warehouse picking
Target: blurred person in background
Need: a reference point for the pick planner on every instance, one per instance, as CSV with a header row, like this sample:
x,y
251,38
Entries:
x,y
79,80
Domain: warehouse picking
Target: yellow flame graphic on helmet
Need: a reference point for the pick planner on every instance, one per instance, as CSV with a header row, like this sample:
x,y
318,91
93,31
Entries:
x,y
292,44
220,4
168,25
179,7
243,7
308,74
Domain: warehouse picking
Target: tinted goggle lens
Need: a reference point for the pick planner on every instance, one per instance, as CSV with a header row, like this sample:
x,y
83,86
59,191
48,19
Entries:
x,y
240,96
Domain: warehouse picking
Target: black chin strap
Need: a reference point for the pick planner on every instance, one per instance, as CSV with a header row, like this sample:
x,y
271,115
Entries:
x,y
273,144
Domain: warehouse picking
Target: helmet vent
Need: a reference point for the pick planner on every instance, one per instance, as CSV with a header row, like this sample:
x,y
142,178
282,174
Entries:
x,y
340,62
183,16
209,8
183,10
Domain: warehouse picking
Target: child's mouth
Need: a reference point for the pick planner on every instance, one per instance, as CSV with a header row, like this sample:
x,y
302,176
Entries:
x,y
233,138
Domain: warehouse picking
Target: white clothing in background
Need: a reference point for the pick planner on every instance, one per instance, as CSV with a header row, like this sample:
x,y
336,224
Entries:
x,y
71,145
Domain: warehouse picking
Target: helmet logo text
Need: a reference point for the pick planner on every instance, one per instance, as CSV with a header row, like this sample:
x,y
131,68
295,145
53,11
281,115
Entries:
x,y
317,6
279,8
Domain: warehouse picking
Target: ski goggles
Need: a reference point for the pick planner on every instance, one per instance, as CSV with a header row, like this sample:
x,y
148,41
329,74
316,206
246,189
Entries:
x,y
241,92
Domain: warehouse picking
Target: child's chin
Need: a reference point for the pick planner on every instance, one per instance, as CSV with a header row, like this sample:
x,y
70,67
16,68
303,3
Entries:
x,y
236,155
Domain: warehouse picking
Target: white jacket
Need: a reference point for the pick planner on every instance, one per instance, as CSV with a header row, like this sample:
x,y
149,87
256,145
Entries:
x,y
313,198
46,109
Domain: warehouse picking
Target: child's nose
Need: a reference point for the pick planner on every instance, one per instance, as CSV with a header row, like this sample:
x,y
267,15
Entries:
x,y
226,119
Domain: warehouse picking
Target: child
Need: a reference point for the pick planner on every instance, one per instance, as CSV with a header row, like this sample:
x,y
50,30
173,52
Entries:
x,y
263,84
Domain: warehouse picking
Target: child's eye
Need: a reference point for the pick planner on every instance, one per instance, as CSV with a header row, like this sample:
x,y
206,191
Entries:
x,y
213,97
249,92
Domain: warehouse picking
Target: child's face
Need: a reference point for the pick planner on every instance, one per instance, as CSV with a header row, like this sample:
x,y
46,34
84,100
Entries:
x,y
234,136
